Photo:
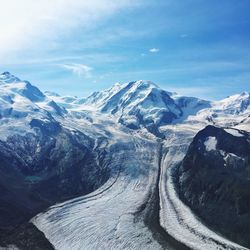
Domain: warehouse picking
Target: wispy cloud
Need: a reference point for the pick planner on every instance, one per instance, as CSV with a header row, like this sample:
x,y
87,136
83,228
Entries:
x,y
78,69
154,50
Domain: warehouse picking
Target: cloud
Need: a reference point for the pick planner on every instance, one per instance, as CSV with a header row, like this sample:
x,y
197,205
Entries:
x,y
78,69
154,50
39,24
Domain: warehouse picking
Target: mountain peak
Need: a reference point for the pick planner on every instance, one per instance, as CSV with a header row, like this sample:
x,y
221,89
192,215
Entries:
x,y
143,83
236,103
6,73
147,84
13,84
7,77
137,104
245,93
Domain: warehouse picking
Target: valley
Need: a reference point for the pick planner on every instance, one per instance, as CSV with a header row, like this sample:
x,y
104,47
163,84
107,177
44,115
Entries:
x,y
102,172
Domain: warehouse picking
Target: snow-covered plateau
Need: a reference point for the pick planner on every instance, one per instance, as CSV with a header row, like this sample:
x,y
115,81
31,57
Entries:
x,y
135,136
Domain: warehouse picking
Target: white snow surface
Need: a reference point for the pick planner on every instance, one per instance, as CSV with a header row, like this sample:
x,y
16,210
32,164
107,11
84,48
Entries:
x,y
233,132
210,143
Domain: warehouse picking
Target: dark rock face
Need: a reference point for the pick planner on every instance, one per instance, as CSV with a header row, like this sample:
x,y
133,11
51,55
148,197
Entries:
x,y
38,170
46,127
214,180
27,237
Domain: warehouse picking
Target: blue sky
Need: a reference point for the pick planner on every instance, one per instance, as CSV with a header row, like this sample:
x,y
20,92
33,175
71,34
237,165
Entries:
x,y
193,47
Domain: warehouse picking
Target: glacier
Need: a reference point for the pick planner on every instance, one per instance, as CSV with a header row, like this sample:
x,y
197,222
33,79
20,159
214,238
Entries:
x,y
145,132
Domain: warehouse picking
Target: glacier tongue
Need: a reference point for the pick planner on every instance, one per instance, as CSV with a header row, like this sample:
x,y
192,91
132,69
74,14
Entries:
x,y
112,217
106,219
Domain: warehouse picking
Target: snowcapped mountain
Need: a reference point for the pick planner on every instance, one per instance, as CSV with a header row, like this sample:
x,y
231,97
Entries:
x,y
137,104
45,156
20,103
24,88
118,147
231,111
235,104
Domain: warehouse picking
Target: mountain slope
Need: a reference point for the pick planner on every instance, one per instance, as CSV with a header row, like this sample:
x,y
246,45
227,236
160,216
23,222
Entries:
x,y
108,147
137,104
44,158
230,111
142,104
214,180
